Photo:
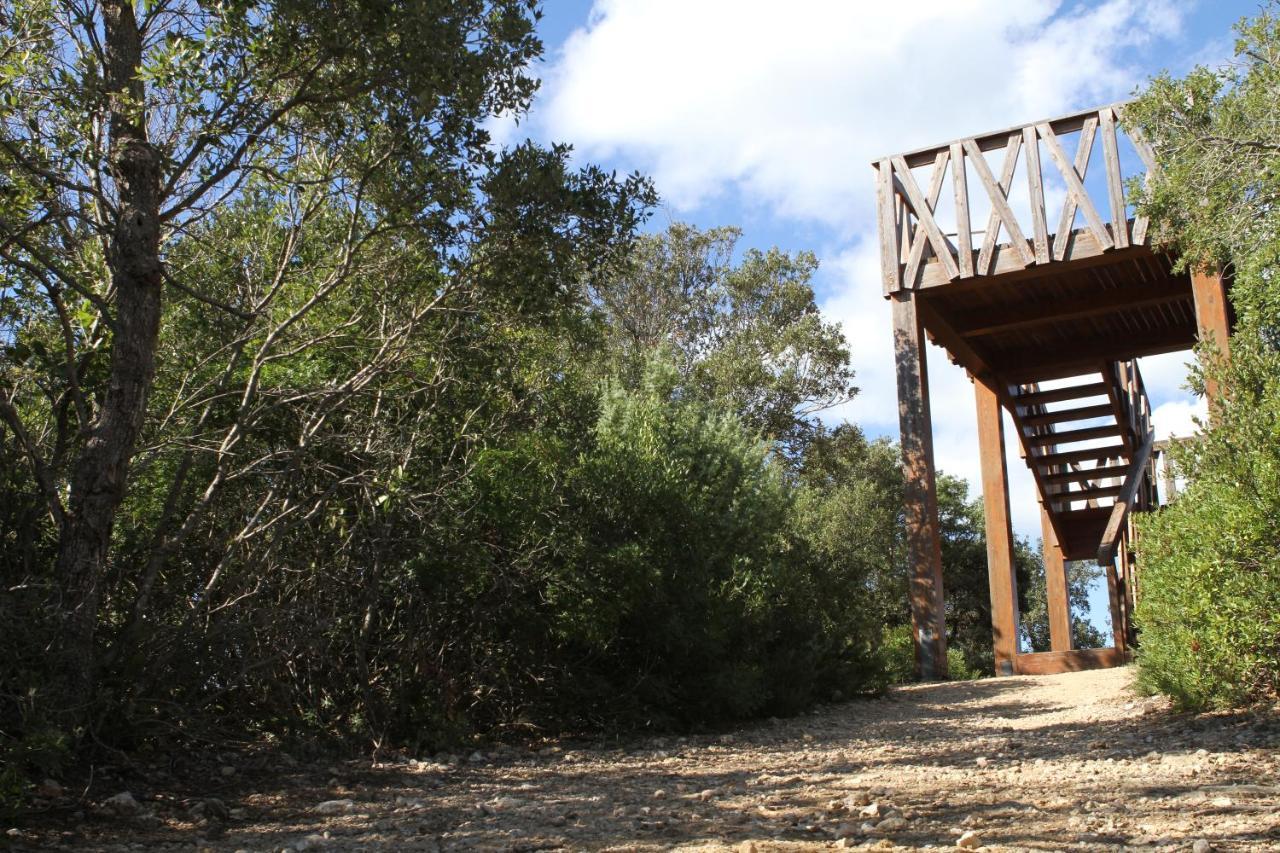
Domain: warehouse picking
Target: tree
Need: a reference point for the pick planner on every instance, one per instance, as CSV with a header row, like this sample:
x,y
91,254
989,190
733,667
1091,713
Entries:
x,y
312,180
1035,617
748,336
1210,592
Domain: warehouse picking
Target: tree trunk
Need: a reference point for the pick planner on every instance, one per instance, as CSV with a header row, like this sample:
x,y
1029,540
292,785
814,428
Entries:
x,y
100,474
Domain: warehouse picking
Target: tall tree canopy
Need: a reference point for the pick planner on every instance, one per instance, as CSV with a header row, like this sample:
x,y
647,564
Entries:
x,y
278,199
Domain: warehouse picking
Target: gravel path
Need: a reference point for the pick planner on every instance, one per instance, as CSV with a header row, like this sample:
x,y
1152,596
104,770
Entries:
x,y
1067,762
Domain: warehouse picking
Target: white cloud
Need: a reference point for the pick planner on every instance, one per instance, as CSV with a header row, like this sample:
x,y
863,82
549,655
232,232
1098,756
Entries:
x,y
791,104
783,108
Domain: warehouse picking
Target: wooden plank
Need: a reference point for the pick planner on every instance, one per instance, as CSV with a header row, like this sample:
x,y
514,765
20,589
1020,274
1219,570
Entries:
x,y
1076,188
1148,157
890,271
964,229
1058,395
1055,577
924,216
1035,187
1087,494
1066,457
1115,182
1082,252
1115,523
1113,601
994,139
1070,435
1076,660
1119,403
1037,364
1000,546
1001,213
1102,472
1083,413
920,240
923,541
1084,148
1017,318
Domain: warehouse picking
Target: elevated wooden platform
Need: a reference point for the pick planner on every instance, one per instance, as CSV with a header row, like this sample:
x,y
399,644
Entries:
x,y
1048,323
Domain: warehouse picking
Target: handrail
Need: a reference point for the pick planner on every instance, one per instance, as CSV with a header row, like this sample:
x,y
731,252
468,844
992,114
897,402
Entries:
x,y
915,251
1133,479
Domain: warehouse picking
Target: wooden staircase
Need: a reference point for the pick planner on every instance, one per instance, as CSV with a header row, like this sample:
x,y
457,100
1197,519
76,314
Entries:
x,y
1088,442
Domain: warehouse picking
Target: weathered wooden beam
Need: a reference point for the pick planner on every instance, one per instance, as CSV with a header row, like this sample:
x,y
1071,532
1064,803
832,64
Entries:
x,y
928,233
1035,186
1058,395
1076,660
1102,472
1075,187
995,139
1212,320
1039,364
1084,413
1071,435
1084,148
1096,303
964,229
890,270
923,540
1000,209
1000,546
1055,574
1066,457
1115,182
1115,523
1082,251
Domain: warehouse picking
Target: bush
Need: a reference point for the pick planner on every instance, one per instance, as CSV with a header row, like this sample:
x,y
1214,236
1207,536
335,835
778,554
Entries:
x,y
1209,608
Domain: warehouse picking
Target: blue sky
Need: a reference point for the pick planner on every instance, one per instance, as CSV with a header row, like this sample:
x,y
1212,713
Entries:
x,y
767,116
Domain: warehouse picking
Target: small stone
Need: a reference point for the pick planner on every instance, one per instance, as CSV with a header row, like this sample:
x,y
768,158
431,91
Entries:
x,y
748,847
49,789
892,824
981,761
505,804
122,803
846,830
1221,802
334,807
1201,845
871,810
13,832
228,770
969,840
706,794
660,794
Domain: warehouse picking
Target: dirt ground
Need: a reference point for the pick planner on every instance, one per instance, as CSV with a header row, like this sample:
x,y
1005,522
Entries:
x,y
1066,762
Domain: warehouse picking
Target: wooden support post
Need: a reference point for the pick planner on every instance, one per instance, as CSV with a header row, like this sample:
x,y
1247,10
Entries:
x,y
1055,572
995,494
1117,617
924,545
1210,292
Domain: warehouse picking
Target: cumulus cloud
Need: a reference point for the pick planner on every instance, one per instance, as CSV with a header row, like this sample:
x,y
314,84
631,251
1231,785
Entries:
x,y
790,104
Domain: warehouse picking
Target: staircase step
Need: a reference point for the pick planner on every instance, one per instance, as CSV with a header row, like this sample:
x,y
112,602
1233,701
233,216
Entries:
x,y
1088,494
1057,395
1105,472
1114,451
1070,435
1082,414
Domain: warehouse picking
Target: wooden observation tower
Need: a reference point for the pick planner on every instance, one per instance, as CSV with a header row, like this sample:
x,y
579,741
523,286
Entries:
x,y
1048,322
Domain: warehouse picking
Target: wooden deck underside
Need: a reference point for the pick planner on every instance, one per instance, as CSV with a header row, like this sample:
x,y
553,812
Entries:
x,y
1059,320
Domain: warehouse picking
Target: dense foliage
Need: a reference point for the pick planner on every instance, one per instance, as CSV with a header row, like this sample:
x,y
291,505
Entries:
x,y
1209,609
323,417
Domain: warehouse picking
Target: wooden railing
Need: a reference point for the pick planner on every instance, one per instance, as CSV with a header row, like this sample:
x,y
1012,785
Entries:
x,y
917,252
